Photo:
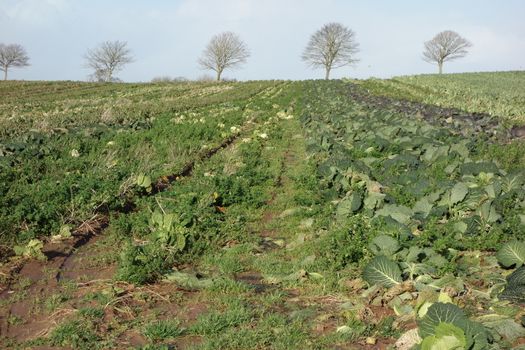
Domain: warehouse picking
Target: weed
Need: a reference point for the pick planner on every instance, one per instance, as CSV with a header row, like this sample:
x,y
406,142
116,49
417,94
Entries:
x,y
162,330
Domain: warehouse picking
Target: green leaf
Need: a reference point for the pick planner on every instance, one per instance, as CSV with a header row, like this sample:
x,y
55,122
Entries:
x,y
382,271
458,193
447,337
157,219
461,226
413,254
437,261
488,213
399,213
374,200
423,206
143,181
65,231
384,245
477,335
19,250
349,205
461,148
512,253
515,289
188,281
440,313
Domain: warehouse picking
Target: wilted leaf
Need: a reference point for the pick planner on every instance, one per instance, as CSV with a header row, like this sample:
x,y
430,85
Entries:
x,y
504,326
408,340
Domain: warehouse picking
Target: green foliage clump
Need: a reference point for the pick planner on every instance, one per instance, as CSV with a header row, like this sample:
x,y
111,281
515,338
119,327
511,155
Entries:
x,y
162,330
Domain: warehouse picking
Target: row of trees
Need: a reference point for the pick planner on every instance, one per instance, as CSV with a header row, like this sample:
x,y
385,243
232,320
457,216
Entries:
x,y
331,47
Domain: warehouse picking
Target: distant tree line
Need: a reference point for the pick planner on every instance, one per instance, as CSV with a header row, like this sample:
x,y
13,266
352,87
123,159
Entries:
x,y
331,47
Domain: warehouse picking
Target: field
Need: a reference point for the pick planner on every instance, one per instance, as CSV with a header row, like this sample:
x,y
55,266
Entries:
x,y
500,94
262,215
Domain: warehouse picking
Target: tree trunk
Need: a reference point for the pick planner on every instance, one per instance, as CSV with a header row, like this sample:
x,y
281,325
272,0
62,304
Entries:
x,y
440,64
219,73
327,75
5,73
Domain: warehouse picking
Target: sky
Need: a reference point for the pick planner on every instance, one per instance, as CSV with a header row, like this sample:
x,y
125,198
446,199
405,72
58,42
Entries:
x,y
168,36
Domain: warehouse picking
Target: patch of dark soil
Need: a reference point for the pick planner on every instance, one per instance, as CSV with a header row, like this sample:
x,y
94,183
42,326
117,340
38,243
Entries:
x,y
267,243
255,281
461,122
187,342
132,339
84,264
55,252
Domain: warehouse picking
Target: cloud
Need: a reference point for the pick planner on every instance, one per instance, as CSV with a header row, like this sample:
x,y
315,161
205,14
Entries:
x,y
33,12
212,10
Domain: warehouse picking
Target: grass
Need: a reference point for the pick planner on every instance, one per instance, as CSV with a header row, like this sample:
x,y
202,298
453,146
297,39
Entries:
x,y
163,330
215,322
77,334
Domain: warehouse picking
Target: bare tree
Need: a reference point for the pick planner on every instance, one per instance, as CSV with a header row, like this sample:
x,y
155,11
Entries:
x,y
445,46
333,46
108,58
13,55
225,50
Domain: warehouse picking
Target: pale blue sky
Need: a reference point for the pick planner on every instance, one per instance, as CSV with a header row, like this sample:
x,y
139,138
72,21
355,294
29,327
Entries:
x,y
167,37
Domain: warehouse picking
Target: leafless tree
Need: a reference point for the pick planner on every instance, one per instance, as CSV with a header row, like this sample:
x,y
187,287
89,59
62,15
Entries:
x,y
225,50
108,58
13,55
445,46
333,46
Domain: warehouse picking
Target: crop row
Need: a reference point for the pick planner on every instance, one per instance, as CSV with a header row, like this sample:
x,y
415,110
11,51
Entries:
x,y
113,105
200,213
423,209
498,94
51,180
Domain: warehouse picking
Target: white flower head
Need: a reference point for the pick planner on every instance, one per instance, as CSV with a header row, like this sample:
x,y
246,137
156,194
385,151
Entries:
x,y
74,153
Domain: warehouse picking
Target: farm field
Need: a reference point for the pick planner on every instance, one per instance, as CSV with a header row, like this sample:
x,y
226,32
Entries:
x,y
500,94
264,215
